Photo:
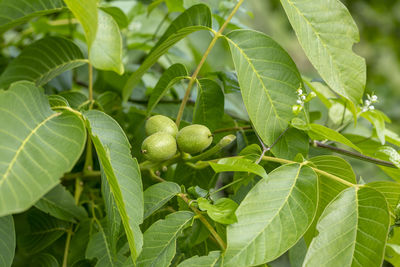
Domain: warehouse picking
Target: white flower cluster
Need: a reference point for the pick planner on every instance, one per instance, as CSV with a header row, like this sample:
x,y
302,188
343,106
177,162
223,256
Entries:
x,y
368,103
301,97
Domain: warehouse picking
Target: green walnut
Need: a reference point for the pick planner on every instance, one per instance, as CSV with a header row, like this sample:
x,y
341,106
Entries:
x,y
160,123
194,138
159,146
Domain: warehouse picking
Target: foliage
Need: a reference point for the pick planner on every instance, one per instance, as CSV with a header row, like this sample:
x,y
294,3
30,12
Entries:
x,y
250,179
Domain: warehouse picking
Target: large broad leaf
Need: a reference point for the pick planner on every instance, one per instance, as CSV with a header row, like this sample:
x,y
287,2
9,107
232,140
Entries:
x,y
213,259
329,188
327,32
102,35
60,203
42,61
37,146
7,240
391,191
195,18
14,12
209,108
171,76
160,239
268,80
274,215
122,172
352,230
157,195
105,53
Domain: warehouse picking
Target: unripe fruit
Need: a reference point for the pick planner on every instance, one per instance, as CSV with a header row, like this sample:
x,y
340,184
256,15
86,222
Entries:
x,y
159,147
194,138
160,123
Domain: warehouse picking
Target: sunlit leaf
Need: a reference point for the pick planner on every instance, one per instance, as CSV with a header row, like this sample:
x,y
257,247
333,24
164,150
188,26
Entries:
x,y
222,211
268,79
321,132
352,230
213,259
238,165
37,146
327,32
274,215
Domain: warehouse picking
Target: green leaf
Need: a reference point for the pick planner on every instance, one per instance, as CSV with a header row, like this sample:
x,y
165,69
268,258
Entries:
x,y
44,231
7,244
105,52
352,230
37,146
113,219
391,191
122,172
392,137
160,239
222,211
268,79
327,32
60,203
320,132
195,18
157,195
102,35
86,13
297,253
172,75
291,143
377,118
274,215
213,259
390,154
98,247
118,15
42,61
328,188
15,12
238,165
209,108
45,260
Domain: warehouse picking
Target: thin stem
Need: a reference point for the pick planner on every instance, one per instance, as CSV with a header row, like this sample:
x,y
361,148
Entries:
x,y
226,186
210,228
355,155
77,195
90,86
334,177
89,156
224,142
266,149
81,175
232,129
202,61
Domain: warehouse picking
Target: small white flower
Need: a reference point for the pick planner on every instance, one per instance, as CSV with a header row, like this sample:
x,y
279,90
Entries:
x,y
303,97
299,91
374,98
364,109
299,102
371,107
367,102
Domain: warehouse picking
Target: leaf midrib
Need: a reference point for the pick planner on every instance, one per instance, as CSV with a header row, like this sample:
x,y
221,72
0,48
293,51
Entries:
x,y
257,75
24,142
276,213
